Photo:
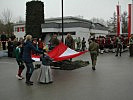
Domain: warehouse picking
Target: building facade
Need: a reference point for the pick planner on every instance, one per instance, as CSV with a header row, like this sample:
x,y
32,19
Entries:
x,y
19,29
77,27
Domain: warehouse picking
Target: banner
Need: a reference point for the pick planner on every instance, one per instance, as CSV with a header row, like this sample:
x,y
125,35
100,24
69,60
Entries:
x,y
119,21
130,20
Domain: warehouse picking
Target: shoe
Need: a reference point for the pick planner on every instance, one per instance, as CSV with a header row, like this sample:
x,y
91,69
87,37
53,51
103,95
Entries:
x,y
116,55
93,68
28,83
20,78
50,82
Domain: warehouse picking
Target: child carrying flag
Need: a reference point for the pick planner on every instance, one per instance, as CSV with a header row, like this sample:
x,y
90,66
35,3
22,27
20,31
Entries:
x,y
45,75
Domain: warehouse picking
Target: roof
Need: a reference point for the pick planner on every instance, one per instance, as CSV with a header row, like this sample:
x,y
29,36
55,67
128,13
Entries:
x,y
96,26
20,23
68,18
66,25
74,22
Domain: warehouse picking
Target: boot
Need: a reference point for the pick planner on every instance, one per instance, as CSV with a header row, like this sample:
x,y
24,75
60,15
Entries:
x,y
29,78
28,82
93,68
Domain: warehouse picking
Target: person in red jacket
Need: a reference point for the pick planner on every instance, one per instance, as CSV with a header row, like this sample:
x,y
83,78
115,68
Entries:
x,y
40,44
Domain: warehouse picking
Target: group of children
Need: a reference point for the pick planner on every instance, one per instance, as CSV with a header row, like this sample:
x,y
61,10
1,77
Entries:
x,y
45,75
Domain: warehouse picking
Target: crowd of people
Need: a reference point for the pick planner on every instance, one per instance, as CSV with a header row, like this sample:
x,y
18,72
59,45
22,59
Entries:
x,y
109,43
24,48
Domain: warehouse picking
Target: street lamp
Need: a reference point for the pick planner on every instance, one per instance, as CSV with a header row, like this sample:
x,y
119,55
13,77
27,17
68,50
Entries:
x,y
62,23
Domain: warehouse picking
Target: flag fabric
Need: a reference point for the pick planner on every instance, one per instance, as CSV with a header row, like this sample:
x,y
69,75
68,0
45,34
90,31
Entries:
x,y
119,20
36,57
130,20
60,52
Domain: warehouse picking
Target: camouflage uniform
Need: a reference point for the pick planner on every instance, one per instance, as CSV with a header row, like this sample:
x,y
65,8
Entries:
x,y
119,46
94,49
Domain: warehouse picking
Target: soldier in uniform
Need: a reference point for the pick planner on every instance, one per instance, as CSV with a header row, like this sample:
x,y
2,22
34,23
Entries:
x,y
78,43
119,45
131,46
69,41
94,50
54,41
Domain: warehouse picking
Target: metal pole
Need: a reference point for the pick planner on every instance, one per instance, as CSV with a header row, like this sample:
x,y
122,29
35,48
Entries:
x,y
62,23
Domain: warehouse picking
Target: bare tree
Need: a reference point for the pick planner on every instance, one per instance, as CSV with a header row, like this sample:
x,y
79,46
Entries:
x,y
6,16
2,28
6,21
112,23
125,22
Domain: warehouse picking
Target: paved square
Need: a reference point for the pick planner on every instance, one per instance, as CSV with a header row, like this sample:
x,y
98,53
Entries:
x,y
112,80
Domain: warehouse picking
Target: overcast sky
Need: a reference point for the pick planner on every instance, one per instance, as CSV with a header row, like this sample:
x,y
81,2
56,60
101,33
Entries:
x,y
52,8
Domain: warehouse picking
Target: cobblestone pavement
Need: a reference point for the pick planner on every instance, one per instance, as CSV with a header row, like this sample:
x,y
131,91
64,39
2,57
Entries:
x,y
112,80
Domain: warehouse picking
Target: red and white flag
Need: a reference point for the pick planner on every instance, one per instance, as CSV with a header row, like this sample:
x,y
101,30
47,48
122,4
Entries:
x,y
60,52
36,57
130,20
119,20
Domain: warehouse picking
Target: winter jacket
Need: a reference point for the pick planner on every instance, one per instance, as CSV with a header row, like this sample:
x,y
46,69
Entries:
x,y
18,54
28,47
93,47
46,60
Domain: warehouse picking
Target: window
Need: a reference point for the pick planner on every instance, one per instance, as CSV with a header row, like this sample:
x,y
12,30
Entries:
x,y
22,29
18,29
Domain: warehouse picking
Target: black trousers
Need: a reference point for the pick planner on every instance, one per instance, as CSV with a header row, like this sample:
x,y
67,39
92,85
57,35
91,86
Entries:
x,y
119,49
131,50
30,69
4,45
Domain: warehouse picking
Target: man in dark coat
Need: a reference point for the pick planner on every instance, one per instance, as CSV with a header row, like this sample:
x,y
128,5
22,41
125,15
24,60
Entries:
x,y
3,40
10,48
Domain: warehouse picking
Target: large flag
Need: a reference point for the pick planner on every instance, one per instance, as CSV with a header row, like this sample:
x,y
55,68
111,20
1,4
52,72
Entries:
x,y
60,52
130,20
119,20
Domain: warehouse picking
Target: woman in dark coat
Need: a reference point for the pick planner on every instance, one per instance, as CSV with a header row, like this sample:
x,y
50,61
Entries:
x,y
28,47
